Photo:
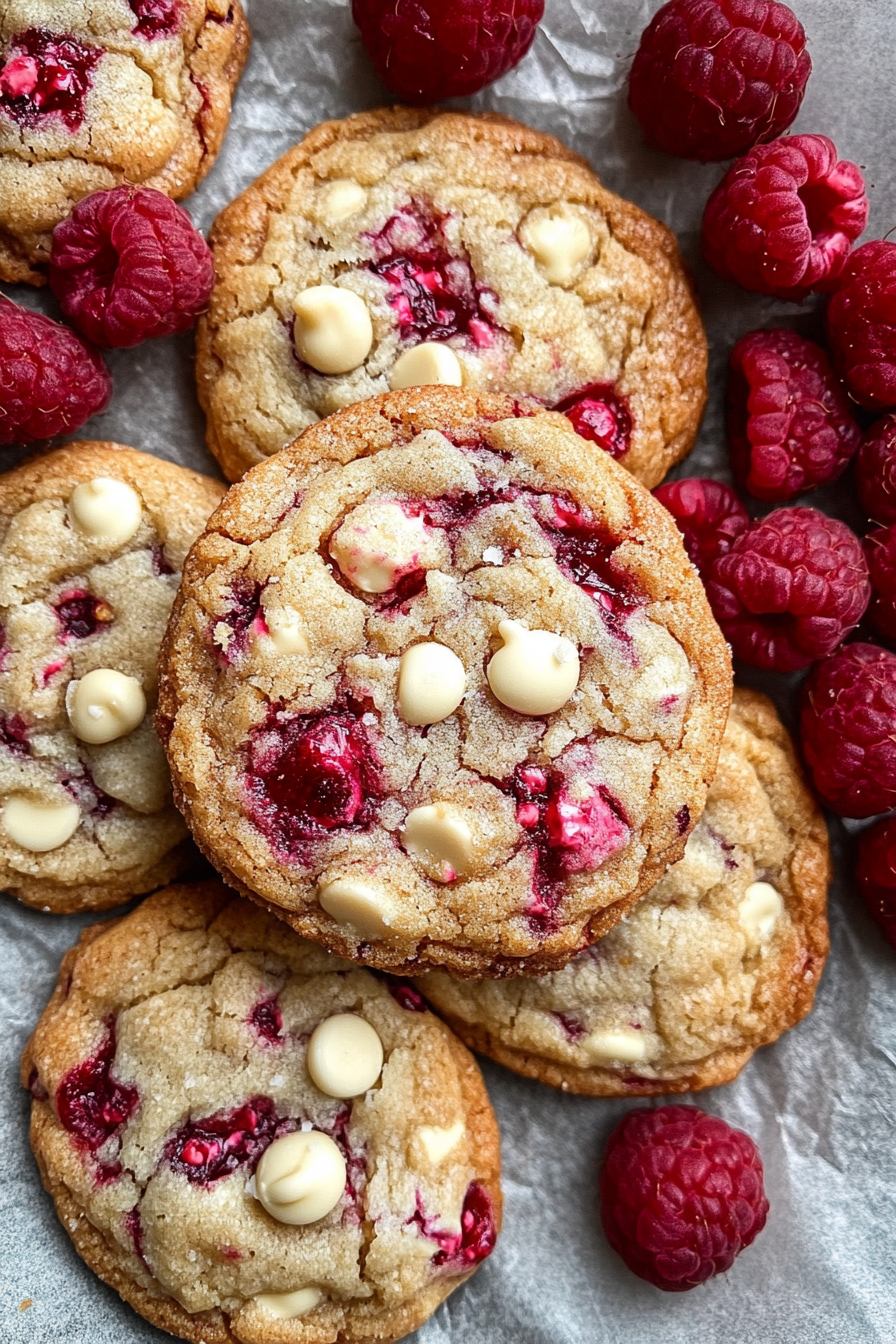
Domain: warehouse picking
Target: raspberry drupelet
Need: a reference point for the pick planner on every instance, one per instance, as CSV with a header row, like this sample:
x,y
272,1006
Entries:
x,y
713,77
876,875
862,325
790,427
784,217
880,552
875,472
681,1195
709,515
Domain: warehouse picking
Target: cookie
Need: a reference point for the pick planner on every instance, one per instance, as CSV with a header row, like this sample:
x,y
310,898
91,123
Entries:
x,y
441,689
409,246
92,540
99,92
722,957
252,1141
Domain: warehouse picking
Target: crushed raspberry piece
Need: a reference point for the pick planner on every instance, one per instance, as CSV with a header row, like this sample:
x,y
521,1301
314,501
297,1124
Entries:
x,y
460,1251
573,1027
14,735
128,265
47,74
708,514
875,472
156,18
601,416
861,325
404,994
784,217
846,727
790,589
81,615
207,1150
681,1195
713,77
584,552
267,1020
876,875
92,1105
587,830
790,427
428,50
50,380
880,552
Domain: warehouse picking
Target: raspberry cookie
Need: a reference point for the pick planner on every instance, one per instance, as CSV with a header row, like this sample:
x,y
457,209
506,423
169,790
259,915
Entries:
x,y
252,1141
722,957
92,540
440,689
407,246
93,94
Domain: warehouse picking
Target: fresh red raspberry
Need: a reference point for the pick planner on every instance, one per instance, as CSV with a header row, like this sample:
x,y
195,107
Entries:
x,y
862,325
783,218
713,77
789,422
128,264
790,589
50,380
880,552
876,875
875,471
681,1195
427,50
846,726
709,516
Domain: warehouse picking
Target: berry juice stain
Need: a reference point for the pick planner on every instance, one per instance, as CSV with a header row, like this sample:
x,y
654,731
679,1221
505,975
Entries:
x,y
461,1251
14,735
92,1105
597,413
266,1020
209,1149
47,74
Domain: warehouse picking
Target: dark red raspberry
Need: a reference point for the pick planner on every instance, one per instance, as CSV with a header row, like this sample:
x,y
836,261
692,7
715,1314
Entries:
x,y
47,74
880,552
862,325
128,264
790,589
50,380
599,414
790,427
876,875
783,218
156,18
713,77
875,472
427,50
681,1195
709,516
846,726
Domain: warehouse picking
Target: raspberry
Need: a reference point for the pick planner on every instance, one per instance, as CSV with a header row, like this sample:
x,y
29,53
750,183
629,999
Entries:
x,y
862,325
128,264
880,552
790,589
599,414
875,471
709,516
876,875
427,50
713,77
681,1195
783,218
50,380
789,423
47,74
846,726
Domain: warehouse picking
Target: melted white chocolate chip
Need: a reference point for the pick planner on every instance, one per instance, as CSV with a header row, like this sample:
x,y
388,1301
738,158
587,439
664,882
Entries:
x,y
342,199
560,243
759,911
333,330
616,1047
286,630
440,839
300,1177
425,365
431,683
105,509
438,1143
289,1306
39,827
104,705
376,543
536,671
345,1055
367,909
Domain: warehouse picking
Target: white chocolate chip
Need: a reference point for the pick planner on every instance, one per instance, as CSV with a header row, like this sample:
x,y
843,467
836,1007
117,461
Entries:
x,y
438,1143
300,1177
441,841
341,199
105,509
616,1047
367,909
431,683
759,911
39,827
286,630
427,364
560,243
333,330
376,543
345,1055
535,672
289,1306
104,705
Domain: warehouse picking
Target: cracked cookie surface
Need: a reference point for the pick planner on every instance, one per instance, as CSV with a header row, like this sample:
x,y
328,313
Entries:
x,y
440,689
92,540
461,249
98,92
174,1058
720,958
